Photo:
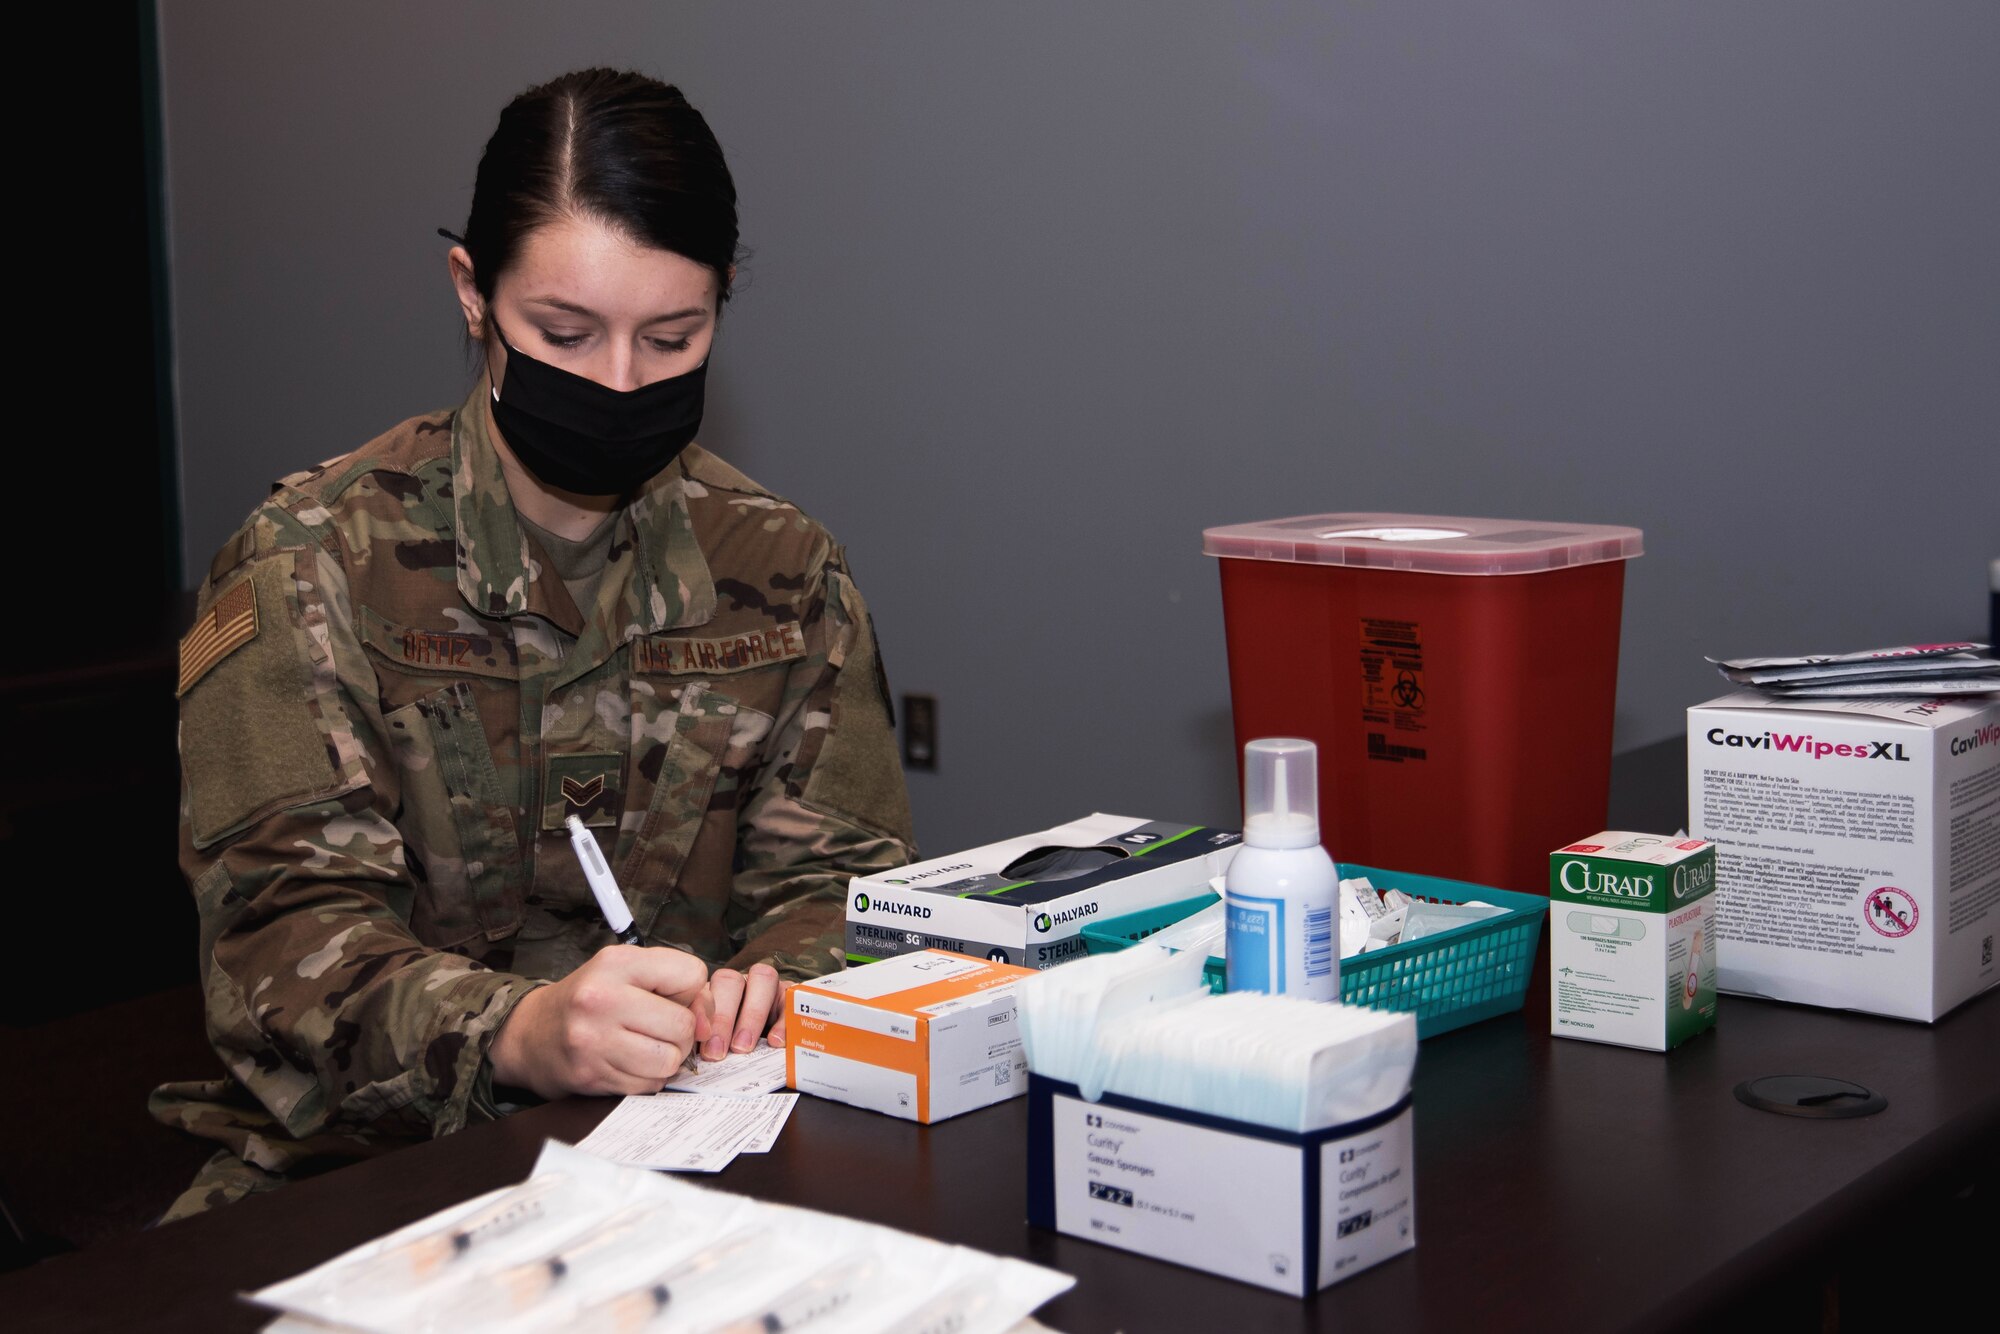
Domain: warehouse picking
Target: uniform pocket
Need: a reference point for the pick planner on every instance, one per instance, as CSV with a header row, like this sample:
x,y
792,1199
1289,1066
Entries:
x,y
457,827
693,748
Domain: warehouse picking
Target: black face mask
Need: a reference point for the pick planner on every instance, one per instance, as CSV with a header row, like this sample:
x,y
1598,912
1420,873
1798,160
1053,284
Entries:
x,y
575,434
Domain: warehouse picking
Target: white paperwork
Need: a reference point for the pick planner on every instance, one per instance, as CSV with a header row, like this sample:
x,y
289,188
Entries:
x,y
740,1074
689,1134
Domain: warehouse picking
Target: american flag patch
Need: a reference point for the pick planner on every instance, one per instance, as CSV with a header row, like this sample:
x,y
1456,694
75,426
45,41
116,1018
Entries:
x,y
230,624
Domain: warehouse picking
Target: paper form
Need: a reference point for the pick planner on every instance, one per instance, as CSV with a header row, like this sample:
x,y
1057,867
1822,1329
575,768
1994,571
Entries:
x,y
761,1070
689,1134
780,1111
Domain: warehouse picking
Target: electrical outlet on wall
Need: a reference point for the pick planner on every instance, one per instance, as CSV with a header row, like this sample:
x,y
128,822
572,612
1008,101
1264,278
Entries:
x,y
920,732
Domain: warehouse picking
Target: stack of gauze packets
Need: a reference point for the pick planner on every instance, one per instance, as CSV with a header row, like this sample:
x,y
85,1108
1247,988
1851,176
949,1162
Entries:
x,y
1918,670
586,1245
1263,1138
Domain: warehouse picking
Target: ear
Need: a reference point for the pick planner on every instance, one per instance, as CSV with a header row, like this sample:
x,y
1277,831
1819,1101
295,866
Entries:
x,y
459,260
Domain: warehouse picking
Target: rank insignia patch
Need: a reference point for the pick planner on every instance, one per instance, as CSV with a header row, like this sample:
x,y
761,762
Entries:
x,y
231,622
588,786
581,795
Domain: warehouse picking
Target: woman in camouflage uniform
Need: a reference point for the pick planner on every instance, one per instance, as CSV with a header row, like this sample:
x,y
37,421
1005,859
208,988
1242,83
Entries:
x,y
414,662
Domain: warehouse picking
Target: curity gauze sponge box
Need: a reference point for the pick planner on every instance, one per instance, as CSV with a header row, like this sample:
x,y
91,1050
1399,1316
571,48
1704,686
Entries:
x,y
1632,939
1859,846
1293,1212
1026,900
922,1036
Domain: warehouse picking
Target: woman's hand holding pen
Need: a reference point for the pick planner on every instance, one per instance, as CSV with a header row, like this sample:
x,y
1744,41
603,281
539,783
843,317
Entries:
x,y
622,1023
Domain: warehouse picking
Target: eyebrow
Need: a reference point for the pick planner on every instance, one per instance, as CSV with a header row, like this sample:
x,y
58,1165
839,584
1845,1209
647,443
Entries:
x,y
588,313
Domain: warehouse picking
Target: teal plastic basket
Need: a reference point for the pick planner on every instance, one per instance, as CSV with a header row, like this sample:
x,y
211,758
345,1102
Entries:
x,y
1448,980
1115,933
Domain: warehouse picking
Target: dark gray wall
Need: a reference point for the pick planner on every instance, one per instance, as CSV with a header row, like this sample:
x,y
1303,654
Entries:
x,y
1040,290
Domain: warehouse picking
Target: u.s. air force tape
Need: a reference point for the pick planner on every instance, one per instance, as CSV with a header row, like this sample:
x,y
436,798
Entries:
x,y
685,654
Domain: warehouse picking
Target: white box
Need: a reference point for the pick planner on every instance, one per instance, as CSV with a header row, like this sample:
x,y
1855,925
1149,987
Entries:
x,y
978,903
1290,1212
1859,847
922,1036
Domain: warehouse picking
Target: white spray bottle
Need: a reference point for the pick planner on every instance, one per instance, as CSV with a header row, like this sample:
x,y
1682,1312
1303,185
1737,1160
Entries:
x,y
1281,894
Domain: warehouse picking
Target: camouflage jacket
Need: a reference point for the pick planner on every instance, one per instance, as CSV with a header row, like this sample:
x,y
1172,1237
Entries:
x,y
389,705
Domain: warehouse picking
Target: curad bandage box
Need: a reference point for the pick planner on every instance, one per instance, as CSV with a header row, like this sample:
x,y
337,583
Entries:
x,y
1632,939
1859,847
922,1036
1026,900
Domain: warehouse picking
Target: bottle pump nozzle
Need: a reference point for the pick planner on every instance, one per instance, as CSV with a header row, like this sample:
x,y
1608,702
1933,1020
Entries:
x,y
1281,793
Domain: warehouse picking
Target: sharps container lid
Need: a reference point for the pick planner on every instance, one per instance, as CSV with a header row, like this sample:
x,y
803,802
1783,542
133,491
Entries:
x,y
1425,543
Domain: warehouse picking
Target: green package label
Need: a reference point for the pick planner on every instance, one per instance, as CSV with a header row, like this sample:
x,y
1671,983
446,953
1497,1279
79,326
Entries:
x,y
1659,886
1632,929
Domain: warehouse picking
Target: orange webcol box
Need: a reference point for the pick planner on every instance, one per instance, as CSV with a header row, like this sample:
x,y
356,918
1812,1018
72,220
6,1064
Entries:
x,y
922,1036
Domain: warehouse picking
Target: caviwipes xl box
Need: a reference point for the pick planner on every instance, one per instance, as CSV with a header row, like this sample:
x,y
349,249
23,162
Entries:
x,y
1632,939
922,1036
1859,847
1024,901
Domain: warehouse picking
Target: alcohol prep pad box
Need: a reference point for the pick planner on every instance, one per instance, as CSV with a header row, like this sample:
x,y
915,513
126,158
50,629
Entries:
x,y
1026,901
1283,1210
1632,939
1859,846
922,1036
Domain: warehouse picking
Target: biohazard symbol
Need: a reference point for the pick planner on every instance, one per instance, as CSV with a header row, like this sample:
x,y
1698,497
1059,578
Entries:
x,y
1407,693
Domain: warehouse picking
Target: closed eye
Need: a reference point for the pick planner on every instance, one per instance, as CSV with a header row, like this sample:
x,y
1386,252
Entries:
x,y
571,341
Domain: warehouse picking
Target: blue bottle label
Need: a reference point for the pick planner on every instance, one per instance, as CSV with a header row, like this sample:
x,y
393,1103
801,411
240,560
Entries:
x,y
1256,944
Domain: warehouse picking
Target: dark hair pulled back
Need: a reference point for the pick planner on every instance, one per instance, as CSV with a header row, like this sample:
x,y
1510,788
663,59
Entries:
x,y
606,144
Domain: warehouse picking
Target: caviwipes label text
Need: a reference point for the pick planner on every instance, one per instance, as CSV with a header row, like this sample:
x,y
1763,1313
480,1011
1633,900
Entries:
x,y
1805,744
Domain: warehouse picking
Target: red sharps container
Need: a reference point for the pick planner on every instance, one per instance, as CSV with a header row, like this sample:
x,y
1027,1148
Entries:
x,y
1458,675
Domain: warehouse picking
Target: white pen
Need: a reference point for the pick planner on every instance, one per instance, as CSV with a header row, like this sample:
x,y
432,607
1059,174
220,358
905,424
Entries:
x,y
610,901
